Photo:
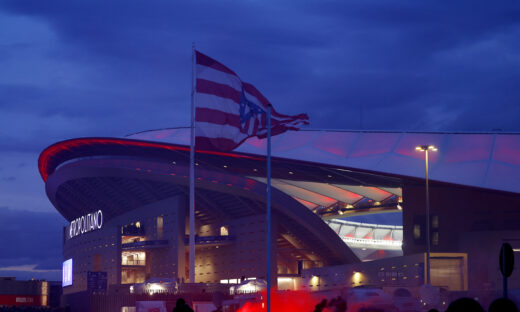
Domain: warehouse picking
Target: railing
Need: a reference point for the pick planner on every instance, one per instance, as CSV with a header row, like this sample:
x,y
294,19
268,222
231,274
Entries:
x,y
132,230
206,240
366,241
145,244
134,262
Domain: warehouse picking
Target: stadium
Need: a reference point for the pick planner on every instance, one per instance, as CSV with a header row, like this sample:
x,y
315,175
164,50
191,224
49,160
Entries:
x,y
348,209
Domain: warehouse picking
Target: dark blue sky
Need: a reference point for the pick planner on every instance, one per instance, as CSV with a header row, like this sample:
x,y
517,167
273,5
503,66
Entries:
x,y
109,68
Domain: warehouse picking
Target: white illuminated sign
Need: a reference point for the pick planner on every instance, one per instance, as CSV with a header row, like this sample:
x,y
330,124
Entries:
x,y
67,273
87,223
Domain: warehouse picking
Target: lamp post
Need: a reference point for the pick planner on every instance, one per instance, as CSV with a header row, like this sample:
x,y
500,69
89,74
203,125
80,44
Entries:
x,y
426,149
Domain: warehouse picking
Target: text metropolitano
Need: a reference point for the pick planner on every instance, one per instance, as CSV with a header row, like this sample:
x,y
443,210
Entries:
x,y
86,223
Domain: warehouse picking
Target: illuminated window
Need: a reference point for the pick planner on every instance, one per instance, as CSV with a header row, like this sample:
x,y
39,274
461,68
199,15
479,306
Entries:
x,y
160,224
417,231
419,226
224,231
435,221
132,276
435,238
134,258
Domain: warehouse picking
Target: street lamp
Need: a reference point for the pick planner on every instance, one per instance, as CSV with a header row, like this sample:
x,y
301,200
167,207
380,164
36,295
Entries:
x,y
426,149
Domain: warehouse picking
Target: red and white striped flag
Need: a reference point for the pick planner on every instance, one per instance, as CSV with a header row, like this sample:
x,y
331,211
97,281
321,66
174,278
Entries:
x,y
228,110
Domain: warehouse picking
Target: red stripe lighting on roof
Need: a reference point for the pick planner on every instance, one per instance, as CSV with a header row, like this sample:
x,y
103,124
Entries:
x,y
46,158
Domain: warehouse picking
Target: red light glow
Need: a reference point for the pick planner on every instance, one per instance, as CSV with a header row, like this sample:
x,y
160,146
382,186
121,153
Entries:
x,y
287,301
60,152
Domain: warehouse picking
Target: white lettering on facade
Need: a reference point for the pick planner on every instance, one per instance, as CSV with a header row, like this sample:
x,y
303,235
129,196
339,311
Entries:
x,y
87,223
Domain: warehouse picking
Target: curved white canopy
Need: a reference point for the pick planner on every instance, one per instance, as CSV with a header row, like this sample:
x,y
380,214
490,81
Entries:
x,y
486,160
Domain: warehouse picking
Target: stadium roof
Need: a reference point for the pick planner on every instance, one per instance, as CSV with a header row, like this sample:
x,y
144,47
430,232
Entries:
x,y
483,160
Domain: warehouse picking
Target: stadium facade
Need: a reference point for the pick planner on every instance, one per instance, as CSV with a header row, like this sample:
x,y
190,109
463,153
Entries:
x,y
126,201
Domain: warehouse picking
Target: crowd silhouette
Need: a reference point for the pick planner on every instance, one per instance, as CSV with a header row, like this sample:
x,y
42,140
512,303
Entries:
x,y
460,305
27,309
337,304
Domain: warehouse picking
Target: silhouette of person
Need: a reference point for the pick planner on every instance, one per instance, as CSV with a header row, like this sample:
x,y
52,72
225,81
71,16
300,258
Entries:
x,y
181,306
502,305
465,305
320,306
340,305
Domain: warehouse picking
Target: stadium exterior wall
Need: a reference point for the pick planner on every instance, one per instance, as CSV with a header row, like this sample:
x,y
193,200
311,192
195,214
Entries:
x,y
464,219
165,252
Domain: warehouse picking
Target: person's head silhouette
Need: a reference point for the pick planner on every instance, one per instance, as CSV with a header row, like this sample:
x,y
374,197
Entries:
x,y
180,302
503,305
465,305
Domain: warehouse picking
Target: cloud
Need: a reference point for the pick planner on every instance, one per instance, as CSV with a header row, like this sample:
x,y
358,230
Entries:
x,y
31,242
30,271
387,59
22,188
27,268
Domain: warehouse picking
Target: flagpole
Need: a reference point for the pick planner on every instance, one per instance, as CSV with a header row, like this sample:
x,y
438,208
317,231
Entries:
x,y
192,169
268,299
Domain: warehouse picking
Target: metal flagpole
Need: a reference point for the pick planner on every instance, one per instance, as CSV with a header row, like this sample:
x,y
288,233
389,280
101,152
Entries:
x,y
428,268
192,169
268,299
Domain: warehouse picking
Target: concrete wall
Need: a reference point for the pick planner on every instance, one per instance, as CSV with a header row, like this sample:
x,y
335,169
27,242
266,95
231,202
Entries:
x,y
407,271
82,248
471,221
245,257
161,262
483,255
398,271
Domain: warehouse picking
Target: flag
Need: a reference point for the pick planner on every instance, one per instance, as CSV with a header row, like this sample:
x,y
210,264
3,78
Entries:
x,y
228,111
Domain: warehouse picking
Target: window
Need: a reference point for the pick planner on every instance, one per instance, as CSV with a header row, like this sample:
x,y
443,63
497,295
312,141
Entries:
x,y
435,238
435,221
224,231
96,263
133,258
417,231
160,224
132,276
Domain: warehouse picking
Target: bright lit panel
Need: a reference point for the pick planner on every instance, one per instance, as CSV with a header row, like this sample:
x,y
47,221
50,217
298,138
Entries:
x,y
394,190
304,194
300,193
306,203
327,190
67,273
366,191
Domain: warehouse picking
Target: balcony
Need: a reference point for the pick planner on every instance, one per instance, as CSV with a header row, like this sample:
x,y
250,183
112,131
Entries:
x,y
134,262
132,230
211,240
145,244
